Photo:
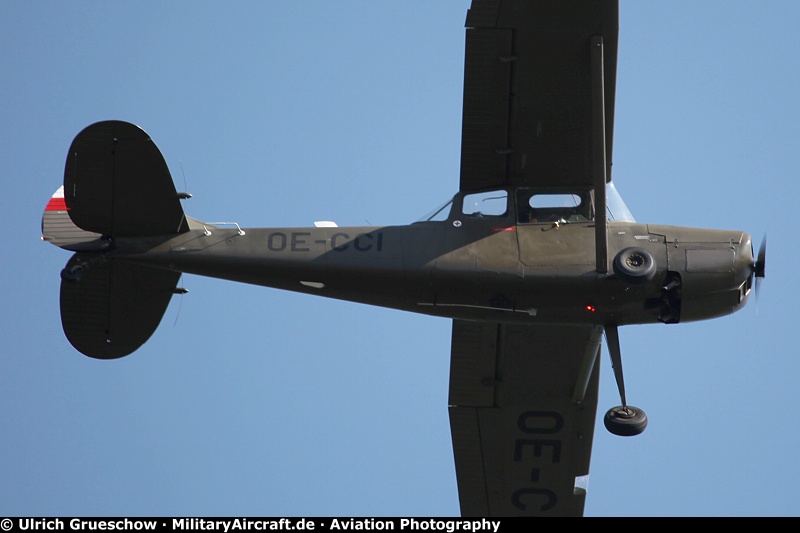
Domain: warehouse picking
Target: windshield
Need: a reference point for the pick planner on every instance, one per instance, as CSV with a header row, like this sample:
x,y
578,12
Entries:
x,y
617,210
439,214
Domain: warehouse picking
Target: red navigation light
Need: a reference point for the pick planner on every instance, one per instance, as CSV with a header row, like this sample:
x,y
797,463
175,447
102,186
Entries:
x,y
590,308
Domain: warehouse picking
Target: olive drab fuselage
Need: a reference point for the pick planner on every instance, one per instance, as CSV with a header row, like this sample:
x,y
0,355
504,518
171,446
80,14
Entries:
x,y
483,267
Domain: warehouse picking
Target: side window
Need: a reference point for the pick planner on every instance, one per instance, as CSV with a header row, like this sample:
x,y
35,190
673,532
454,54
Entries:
x,y
537,207
483,204
546,201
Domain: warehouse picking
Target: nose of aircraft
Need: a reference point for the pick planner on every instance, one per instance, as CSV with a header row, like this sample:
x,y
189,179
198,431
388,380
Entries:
x,y
759,263
751,267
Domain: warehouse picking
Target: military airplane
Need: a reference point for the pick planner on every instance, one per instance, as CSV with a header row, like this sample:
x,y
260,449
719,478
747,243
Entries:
x,y
535,259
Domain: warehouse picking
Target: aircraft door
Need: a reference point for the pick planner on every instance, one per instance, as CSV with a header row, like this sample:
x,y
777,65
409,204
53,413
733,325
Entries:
x,y
479,238
555,228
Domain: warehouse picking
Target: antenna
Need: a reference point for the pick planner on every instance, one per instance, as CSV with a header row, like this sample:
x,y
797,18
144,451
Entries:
x,y
183,195
181,291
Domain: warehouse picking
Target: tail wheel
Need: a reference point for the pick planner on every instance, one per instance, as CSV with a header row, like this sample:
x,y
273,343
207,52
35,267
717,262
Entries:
x,y
73,274
635,265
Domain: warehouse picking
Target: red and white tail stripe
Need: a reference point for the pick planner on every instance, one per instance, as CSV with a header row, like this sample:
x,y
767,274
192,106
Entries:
x,y
57,202
58,228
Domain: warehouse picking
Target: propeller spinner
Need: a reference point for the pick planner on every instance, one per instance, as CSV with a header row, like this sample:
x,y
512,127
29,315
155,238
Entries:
x,y
760,264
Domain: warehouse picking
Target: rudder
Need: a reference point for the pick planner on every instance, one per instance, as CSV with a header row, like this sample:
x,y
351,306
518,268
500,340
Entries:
x,y
117,184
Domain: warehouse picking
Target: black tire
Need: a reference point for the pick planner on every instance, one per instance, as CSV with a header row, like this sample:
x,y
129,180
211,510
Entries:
x,y
625,421
635,265
72,275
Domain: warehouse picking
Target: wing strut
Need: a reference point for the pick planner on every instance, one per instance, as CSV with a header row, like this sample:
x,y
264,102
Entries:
x,y
587,365
599,154
612,337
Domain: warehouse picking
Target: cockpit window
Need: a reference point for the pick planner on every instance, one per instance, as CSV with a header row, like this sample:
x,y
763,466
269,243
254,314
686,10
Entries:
x,y
490,203
538,207
617,210
540,201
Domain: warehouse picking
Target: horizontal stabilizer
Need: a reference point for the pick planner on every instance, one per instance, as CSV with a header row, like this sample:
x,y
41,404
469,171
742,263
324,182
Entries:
x,y
116,183
108,307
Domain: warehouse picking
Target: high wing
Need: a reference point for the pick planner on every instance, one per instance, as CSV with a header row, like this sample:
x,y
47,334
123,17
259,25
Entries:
x,y
527,116
522,409
523,398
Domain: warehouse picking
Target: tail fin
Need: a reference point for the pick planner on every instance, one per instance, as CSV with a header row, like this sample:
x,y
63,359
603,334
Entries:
x,y
116,184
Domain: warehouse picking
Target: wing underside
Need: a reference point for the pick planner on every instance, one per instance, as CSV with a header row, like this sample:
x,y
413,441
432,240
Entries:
x,y
523,401
527,116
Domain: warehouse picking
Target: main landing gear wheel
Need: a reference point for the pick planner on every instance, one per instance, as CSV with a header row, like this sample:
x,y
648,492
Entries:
x,y
625,421
635,266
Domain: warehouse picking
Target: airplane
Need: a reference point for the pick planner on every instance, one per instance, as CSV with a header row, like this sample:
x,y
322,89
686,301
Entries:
x,y
536,258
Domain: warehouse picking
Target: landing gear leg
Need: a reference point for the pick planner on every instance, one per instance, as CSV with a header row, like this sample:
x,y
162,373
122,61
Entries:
x,y
624,420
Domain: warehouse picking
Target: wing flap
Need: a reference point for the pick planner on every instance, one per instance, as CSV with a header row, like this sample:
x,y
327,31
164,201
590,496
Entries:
x,y
484,137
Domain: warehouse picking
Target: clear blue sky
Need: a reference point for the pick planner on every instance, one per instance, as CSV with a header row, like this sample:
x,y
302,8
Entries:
x,y
250,401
